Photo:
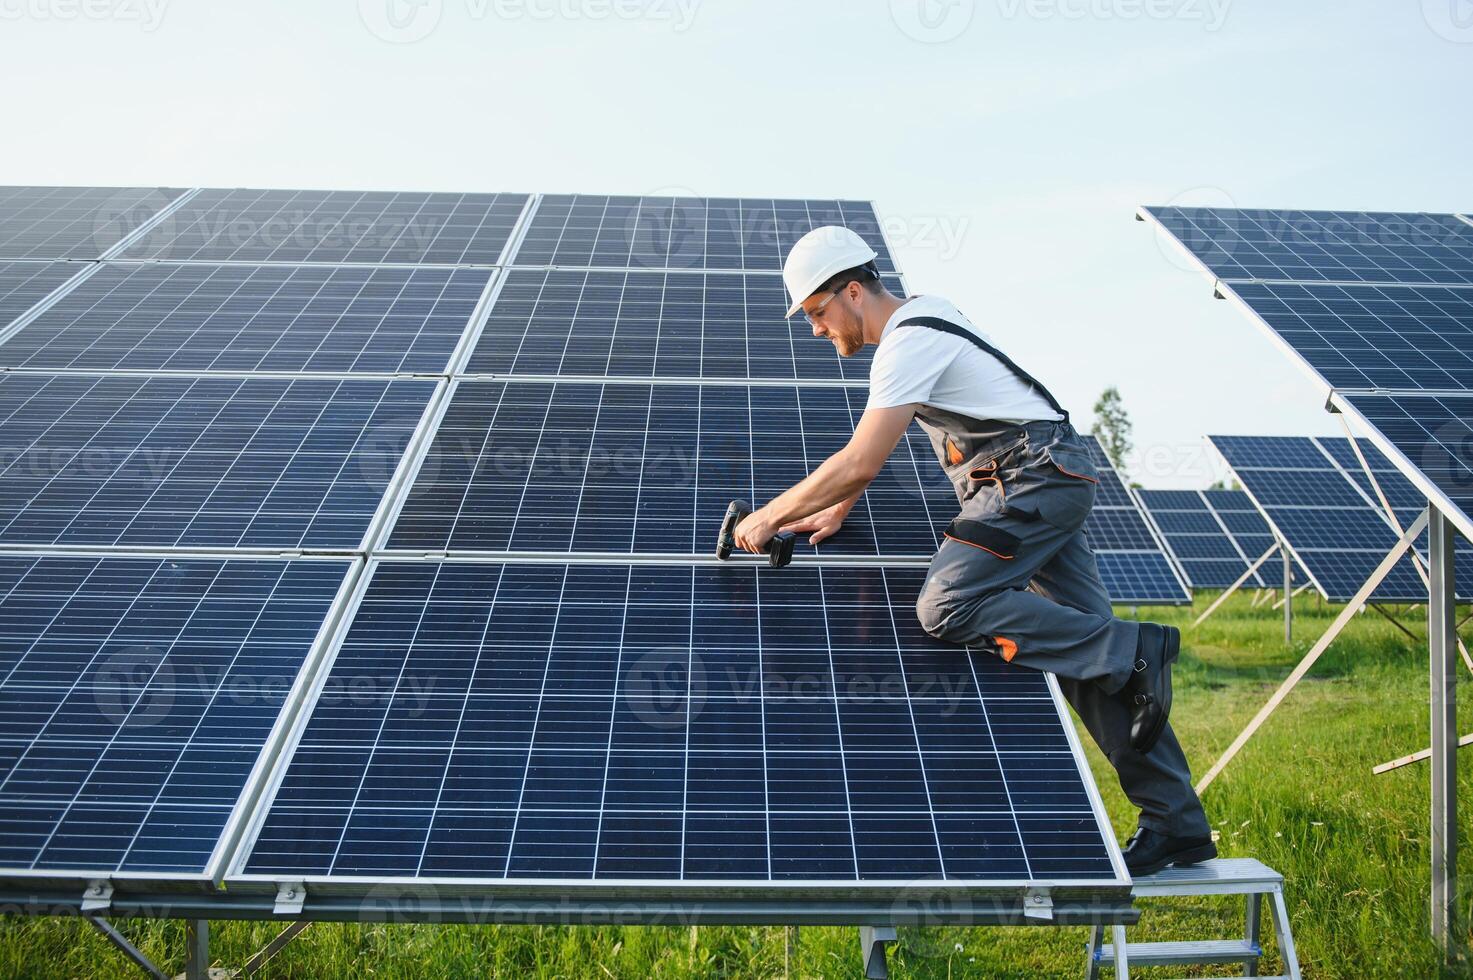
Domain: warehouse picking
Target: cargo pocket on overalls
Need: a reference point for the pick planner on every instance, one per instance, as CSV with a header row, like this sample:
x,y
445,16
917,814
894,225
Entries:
x,y
1069,490
980,534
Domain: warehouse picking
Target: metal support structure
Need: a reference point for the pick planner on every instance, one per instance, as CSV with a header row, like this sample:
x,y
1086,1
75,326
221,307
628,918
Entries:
x,y
129,950
1320,646
790,951
1236,585
1296,594
1288,593
267,952
197,950
1394,621
1420,756
873,941
1441,645
1389,513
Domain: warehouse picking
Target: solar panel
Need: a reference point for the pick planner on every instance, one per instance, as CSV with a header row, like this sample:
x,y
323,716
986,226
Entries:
x,y
1196,542
1407,338
601,723
1393,337
253,318
245,225
1311,246
24,284
204,462
650,468
74,222
138,694
644,324
1335,533
1235,511
1132,563
1435,434
685,232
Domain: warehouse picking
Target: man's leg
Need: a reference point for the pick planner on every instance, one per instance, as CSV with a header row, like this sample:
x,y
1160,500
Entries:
x,y
1158,781
976,593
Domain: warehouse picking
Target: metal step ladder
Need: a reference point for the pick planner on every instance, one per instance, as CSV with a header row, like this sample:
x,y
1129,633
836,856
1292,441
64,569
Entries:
x,y
1223,876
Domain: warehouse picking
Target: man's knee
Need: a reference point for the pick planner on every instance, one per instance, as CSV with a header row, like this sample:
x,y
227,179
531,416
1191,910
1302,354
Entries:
x,y
947,615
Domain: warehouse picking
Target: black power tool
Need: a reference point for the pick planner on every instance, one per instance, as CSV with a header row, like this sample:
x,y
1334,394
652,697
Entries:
x,y
779,549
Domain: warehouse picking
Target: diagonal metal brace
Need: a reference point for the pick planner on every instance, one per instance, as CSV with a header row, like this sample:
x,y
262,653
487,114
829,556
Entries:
x,y
110,932
1320,646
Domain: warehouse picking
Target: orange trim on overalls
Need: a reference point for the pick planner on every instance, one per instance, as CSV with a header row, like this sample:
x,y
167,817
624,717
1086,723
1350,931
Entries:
x,y
1077,476
953,454
988,474
982,546
1007,647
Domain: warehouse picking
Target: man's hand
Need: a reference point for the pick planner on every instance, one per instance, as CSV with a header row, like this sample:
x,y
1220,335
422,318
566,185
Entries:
x,y
753,533
824,523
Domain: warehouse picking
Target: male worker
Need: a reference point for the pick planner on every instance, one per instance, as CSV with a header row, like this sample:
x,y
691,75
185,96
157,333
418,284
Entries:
x,y
1015,574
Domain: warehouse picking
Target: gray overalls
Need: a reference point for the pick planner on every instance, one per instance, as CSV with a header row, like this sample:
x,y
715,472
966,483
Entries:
x,y
1016,575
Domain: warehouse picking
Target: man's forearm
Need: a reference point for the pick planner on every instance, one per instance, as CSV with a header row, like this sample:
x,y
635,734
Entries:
x,y
838,479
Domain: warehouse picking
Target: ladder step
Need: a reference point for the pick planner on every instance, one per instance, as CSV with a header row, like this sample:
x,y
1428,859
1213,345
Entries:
x,y
1181,953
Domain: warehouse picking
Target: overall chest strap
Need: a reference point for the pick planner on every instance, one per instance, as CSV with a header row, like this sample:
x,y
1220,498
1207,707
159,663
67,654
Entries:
x,y
946,326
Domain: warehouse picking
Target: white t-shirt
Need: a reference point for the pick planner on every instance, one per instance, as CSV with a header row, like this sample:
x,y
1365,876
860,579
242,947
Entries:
x,y
942,370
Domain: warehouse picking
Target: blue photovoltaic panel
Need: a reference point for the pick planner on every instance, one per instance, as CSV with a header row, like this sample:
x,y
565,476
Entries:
x,y
1318,246
1196,528
1434,433
253,318
74,222
334,226
137,695
212,462
718,723
1334,532
1134,568
1250,532
644,324
634,468
640,468
685,232
1392,337
24,284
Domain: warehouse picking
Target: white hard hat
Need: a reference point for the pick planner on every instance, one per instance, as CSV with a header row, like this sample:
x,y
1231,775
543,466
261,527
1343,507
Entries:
x,y
819,256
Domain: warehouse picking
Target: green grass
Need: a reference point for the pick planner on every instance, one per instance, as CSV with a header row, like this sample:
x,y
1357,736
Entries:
x,y
1300,797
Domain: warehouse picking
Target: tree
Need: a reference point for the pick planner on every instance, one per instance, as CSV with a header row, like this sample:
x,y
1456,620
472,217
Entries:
x,y
1112,428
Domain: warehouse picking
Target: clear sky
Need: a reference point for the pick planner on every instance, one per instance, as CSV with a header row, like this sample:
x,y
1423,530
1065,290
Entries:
x,y
1006,142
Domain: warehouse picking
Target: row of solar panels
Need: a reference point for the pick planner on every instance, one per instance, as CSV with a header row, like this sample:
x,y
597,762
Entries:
x,y
380,228
1313,493
1378,307
604,325
500,653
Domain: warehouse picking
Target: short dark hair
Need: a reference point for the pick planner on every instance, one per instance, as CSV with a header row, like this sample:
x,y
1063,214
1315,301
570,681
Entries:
x,y
867,275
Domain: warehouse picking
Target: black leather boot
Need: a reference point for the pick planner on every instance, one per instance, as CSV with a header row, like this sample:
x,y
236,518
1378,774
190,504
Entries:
x,y
1148,691
1147,851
